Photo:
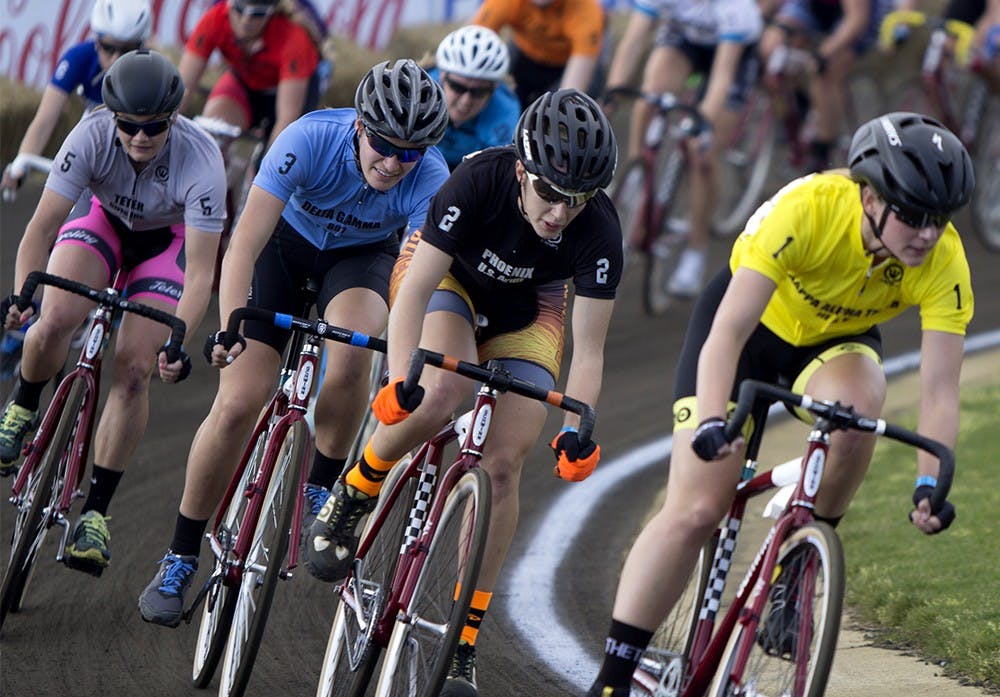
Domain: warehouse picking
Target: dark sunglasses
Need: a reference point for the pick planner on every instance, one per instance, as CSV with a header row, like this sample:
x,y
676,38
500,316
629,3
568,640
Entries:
x,y
474,92
550,194
252,11
387,149
919,220
150,128
117,49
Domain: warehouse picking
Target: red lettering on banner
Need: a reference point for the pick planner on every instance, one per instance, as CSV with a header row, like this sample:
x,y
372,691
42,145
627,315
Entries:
x,y
344,20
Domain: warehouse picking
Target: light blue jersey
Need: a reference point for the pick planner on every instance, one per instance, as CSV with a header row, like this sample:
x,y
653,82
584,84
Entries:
x,y
311,166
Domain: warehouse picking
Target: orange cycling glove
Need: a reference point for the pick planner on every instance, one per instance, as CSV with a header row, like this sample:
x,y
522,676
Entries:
x,y
573,462
392,405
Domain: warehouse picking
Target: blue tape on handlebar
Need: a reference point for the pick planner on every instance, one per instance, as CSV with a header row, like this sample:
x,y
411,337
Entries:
x,y
282,321
359,339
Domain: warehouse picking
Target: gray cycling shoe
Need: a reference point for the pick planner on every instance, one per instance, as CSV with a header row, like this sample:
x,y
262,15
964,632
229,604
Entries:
x,y
162,602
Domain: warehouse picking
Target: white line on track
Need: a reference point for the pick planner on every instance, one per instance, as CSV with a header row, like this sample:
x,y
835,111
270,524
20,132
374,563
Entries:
x,y
534,601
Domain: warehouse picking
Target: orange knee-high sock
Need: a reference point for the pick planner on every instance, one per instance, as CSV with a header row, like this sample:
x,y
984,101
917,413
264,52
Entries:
x,y
477,609
369,472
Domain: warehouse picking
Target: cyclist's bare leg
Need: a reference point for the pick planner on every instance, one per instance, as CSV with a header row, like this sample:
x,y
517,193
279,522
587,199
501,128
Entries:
x,y
857,380
448,333
661,559
666,70
828,92
705,178
123,419
516,427
47,344
343,399
220,439
229,110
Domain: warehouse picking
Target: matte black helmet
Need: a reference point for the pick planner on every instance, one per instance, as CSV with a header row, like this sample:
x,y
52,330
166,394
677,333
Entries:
x,y
142,82
565,137
400,100
916,165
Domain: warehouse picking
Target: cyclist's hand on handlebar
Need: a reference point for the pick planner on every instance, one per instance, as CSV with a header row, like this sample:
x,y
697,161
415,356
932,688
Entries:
x,y
392,404
9,181
176,371
12,317
218,353
922,517
573,462
709,440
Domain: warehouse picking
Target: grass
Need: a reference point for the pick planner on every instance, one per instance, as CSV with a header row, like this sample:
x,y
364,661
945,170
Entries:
x,y
934,595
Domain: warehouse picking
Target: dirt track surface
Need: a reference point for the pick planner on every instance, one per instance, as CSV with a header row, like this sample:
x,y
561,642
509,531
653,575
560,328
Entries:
x,y
82,636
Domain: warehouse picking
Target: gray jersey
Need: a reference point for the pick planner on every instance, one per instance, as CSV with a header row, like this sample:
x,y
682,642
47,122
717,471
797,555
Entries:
x,y
185,182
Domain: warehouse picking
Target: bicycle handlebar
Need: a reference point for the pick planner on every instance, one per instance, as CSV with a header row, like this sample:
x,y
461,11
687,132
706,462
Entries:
x,y
20,165
845,418
501,380
319,328
963,32
108,299
665,102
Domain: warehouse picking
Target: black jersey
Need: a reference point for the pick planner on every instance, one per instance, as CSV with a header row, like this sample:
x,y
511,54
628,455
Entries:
x,y
498,258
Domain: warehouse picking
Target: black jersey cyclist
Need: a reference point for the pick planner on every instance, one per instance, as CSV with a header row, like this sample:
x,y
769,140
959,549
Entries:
x,y
818,268
486,278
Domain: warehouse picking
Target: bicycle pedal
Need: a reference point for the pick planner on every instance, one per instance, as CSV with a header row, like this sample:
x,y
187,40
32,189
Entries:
x,y
94,570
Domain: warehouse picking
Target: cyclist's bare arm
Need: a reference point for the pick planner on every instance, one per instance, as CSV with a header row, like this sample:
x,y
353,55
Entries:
x,y
191,68
578,73
289,103
200,250
590,320
738,315
940,367
40,234
406,320
631,49
40,129
721,77
857,14
254,229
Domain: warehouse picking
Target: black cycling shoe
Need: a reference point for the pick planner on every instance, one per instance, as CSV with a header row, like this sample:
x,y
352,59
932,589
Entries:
x,y
461,680
333,539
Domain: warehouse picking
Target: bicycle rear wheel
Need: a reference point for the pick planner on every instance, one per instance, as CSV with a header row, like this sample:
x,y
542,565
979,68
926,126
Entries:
x,y
264,561
791,651
986,197
220,604
665,661
425,636
351,652
39,499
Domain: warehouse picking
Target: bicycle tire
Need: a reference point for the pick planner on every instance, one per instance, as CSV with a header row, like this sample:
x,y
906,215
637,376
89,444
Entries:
x,y
220,604
262,567
766,671
31,525
666,659
629,199
351,652
424,637
746,165
986,197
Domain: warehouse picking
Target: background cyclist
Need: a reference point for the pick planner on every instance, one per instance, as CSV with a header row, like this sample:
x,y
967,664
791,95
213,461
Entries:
x,y
719,41
157,209
554,43
817,269
471,64
489,269
329,203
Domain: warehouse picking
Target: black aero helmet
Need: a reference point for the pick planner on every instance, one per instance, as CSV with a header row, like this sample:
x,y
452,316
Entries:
x,y
565,137
915,164
400,100
142,82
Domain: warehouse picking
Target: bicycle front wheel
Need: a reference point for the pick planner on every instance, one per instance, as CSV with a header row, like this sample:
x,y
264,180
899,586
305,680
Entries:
x,y
351,651
426,634
262,568
220,603
791,651
38,502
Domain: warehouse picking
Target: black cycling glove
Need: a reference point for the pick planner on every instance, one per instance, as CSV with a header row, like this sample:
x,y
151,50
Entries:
x,y
220,338
709,438
947,513
184,358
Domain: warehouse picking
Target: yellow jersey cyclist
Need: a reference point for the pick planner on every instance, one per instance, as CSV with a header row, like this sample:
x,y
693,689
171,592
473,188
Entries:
x,y
486,278
331,198
157,210
817,269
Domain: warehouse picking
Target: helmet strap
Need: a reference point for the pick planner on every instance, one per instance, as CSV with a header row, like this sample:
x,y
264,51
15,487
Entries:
x,y
877,228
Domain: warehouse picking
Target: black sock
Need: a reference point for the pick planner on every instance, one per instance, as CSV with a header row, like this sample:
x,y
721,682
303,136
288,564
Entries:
x,y
325,470
103,483
832,522
187,536
622,650
28,394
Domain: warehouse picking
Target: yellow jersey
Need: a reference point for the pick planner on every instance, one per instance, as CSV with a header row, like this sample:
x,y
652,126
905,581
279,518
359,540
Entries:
x,y
807,239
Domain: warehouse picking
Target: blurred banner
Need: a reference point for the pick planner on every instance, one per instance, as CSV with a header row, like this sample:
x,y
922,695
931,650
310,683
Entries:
x,y
35,33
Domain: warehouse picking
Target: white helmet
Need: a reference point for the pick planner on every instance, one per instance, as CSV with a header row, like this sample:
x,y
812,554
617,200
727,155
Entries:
x,y
124,20
475,52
